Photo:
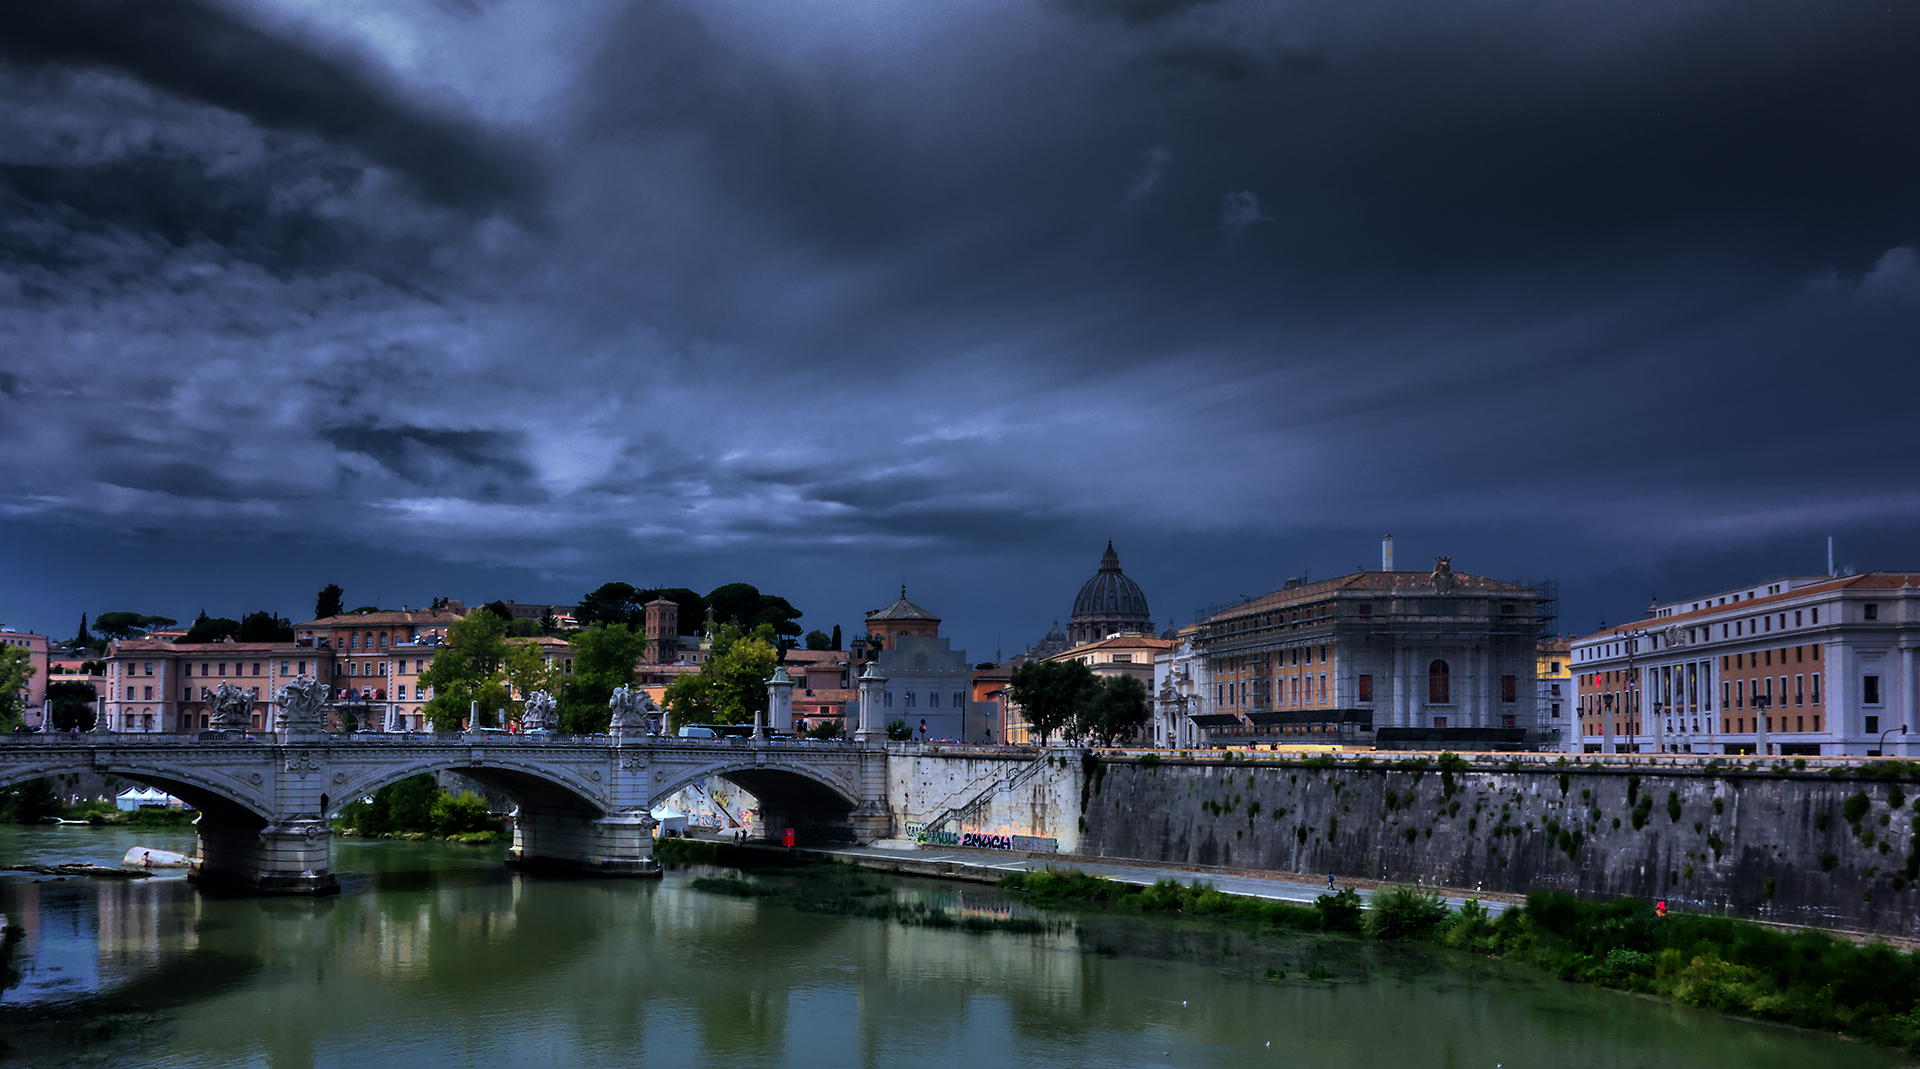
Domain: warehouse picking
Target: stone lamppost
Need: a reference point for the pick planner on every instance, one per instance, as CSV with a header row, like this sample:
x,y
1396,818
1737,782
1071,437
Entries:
x,y
780,700
873,689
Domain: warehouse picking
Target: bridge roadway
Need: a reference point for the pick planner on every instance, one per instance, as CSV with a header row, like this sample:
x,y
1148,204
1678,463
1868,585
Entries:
x,y
583,801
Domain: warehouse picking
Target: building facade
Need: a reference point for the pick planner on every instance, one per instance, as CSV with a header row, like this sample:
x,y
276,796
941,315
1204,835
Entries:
x,y
1802,665
1553,681
153,685
1390,658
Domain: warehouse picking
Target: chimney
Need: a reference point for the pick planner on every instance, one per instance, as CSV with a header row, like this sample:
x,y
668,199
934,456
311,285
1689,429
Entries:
x,y
1829,556
1386,554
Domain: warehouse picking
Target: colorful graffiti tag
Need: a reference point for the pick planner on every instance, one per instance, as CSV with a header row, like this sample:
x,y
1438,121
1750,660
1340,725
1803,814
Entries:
x,y
979,840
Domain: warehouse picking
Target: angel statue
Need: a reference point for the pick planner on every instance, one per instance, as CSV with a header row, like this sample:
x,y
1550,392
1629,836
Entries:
x,y
629,705
540,713
300,703
232,708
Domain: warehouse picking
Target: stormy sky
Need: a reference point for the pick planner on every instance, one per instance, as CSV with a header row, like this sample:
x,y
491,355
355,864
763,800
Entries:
x,y
508,298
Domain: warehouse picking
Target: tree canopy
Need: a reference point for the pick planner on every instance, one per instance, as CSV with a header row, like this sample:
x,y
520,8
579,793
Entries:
x,y
1115,712
1052,693
70,705
125,625
328,602
16,670
743,605
469,668
264,626
210,628
731,687
603,659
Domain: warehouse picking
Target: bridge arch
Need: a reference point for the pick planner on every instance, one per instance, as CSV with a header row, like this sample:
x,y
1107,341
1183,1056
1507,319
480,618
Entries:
x,y
815,801
534,787
211,793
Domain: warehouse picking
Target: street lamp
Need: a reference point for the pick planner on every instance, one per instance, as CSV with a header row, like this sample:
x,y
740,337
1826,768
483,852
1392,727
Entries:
x,y
1606,702
1882,748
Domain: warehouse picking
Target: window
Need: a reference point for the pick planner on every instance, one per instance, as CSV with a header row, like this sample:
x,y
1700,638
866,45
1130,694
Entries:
x,y
283,668
1507,608
1366,608
148,669
353,641
1799,690
1509,687
1815,695
1366,688
1122,658
1870,690
223,668
1323,688
1439,721
1556,710
1815,653
1873,725
256,668
186,695
1815,612
912,699
1872,610
1739,694
146,694
889,699
1554,689
1796,617
1439,685
1507,720
933,699
383,668
353,668
129,692
303,668
205,667
400,692
959,700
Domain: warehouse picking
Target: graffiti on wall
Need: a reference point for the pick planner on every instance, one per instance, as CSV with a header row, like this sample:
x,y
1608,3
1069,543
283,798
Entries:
x,y
981,840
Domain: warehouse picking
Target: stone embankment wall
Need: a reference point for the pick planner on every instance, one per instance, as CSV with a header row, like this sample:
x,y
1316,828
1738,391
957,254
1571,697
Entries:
x,y
1025,795
1823,846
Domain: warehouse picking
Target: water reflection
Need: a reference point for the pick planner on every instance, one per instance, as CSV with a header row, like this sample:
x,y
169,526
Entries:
x,y
438,955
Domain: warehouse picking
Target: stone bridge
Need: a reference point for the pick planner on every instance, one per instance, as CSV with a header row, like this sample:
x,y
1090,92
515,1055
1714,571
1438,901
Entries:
x,y
583,802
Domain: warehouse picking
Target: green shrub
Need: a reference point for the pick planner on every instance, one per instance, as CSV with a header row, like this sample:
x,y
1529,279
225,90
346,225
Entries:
x,y
1856,807
1673,806
1339,912
1405,912
461,814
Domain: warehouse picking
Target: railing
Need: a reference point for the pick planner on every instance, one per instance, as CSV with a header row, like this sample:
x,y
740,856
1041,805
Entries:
x,y
405,738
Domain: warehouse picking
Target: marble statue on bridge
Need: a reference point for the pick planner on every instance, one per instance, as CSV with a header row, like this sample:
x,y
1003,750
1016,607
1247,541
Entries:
x,y
633,710
540,713
232,708
300,703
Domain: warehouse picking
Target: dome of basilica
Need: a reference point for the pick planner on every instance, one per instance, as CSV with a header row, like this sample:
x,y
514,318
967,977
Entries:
x,y
1109,602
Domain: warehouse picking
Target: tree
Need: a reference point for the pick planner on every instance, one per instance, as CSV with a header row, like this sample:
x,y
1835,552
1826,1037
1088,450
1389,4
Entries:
x,y
70,705
16,670
836,638
819,640
31,802
898,731
126,625
731,687
1114,712
467,669
500,609
82,637
1052,693
742,604
693,607
603,659
612,603
526,671
211,628
329,603
263,626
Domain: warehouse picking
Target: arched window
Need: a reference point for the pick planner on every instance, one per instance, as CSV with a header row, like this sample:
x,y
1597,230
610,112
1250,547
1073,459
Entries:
x,y
959,700
933,699
889,699
910,699
1439,684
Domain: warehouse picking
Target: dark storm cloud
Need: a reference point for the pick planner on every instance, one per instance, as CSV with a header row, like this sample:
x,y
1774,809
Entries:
x,y
824,293
204,52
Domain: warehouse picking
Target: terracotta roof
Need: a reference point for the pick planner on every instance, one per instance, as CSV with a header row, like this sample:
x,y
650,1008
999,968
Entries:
x,y
1408,583
151,645
1863,581
822,694
416,617
902,610
1124,642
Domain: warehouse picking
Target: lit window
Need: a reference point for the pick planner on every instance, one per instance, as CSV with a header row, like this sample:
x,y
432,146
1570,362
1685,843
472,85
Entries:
x,y
1439,685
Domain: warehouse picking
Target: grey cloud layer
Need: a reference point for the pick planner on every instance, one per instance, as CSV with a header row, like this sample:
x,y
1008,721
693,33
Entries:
x,y
842,281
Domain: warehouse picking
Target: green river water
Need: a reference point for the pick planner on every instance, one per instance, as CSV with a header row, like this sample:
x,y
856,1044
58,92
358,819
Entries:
x,y
437,955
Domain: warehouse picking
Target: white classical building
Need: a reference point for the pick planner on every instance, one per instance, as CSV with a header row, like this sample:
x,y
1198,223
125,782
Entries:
x,y
1802,665
1182,689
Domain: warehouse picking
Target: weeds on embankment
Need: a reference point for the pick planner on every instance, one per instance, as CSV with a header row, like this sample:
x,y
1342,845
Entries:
x,y
1807,978
845,889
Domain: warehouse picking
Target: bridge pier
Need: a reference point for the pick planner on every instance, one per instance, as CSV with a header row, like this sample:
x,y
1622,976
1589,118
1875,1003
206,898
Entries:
x,y
618,845
287,857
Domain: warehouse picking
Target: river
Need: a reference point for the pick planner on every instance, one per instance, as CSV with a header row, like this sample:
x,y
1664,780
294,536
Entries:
x,y
437,955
